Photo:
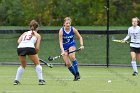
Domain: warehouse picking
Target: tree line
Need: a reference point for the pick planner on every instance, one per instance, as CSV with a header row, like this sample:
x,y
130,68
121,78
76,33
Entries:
x,y
82,12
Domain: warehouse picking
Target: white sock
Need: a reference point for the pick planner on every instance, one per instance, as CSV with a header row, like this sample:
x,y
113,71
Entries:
x,y
38,69
134,65
20,71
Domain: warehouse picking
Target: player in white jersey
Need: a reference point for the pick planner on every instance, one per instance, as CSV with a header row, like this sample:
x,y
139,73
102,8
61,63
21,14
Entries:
x,y
134,34
27,42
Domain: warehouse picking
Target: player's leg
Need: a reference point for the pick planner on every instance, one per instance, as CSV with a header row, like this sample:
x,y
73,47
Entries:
x,y
138,57
67,60
69,65
38,68
20,69
74,61
134,64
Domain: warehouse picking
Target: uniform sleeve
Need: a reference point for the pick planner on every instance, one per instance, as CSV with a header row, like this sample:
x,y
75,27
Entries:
x,y
128,35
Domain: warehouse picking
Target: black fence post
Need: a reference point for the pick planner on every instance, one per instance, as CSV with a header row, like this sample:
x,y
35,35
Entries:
x,y
107,32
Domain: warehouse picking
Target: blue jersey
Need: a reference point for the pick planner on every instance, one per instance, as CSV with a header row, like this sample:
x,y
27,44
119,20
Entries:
x,y
68,38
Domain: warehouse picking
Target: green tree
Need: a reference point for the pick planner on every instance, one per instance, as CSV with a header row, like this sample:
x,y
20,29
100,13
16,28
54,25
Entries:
x,y
11,12
34,9
122,11
82,12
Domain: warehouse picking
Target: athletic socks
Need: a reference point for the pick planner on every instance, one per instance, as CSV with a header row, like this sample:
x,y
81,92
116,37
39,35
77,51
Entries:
x,y
134,66
20,71
38,69
72,70
75,65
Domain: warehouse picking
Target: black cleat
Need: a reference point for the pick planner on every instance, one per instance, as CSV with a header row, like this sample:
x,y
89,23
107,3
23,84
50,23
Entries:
x,y
75,78
16,82
41,82
135,74
78,75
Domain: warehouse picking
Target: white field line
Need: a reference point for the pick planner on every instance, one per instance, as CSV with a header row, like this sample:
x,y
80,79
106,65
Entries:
x,y
21,91
104,90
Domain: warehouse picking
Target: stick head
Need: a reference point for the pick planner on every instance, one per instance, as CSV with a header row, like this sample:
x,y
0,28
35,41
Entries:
x,y
50,58
51,66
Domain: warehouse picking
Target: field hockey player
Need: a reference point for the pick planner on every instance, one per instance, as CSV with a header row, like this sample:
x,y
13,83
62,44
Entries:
x,y
67,44
26,47
134,34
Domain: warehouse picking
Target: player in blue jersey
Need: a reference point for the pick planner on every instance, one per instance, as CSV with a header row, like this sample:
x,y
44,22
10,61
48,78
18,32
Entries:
x,y
67,44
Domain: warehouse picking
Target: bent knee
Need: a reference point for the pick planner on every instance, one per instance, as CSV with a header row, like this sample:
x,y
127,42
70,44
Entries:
x,y
133,59
23,66
68,64
72,58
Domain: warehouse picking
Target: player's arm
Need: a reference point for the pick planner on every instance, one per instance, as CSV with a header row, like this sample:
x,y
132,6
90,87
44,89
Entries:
x,y
128,36
38,42
20,38
79,37
61,41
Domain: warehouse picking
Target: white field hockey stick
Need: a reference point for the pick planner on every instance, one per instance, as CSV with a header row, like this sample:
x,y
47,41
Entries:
x,y
46,63
121,41
53,58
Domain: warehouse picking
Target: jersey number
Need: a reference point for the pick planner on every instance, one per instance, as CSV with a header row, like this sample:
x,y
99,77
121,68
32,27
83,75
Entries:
x,y
28,37
134,36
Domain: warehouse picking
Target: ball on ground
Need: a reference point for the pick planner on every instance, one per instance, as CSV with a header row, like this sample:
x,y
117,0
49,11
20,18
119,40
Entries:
x,y
109,81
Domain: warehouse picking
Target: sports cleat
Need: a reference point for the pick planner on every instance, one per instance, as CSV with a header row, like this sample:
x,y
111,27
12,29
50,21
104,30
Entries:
x,y
16,82
75,78
135,74
78,75
41,82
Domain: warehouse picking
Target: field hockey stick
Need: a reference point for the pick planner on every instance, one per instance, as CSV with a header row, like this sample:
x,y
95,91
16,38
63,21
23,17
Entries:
x,y
53,58
121,41
46,63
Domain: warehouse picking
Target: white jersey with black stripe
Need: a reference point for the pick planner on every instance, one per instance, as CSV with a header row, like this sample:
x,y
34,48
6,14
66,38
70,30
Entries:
x,y
134,34
28,40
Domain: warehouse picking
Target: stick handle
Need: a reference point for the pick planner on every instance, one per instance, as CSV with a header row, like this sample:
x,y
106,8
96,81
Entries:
x,y
42,61
49,65
74,51
53,58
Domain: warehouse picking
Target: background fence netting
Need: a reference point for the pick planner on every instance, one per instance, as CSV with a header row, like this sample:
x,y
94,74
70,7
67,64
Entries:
x,y
93,54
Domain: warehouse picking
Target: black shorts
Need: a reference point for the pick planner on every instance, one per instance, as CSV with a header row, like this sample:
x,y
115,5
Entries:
x,y
136,50
26,51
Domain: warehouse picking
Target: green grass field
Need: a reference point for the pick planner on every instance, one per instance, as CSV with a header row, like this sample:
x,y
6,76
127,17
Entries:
x,y
59,80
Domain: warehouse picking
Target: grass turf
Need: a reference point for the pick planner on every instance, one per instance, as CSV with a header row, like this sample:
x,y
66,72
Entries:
x,y
59,80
